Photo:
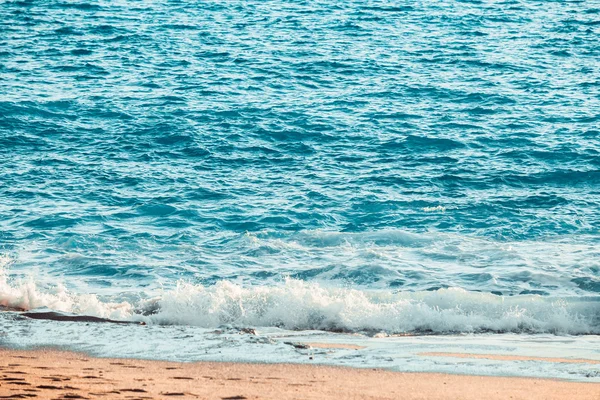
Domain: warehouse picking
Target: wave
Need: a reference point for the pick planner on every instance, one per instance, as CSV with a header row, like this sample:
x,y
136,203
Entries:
x,y
299,305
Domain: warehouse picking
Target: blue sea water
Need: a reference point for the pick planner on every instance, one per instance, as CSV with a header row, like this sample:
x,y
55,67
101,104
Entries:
x,y
364,167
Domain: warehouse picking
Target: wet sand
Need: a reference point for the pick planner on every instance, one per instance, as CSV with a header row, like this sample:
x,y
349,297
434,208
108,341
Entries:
x,y
507,357
49,374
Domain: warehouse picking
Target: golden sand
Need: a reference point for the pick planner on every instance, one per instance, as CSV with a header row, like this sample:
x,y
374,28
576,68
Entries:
x,y
48,374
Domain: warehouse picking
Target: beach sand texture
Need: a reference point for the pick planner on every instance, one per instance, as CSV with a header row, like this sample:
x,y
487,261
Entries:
x,y
49,374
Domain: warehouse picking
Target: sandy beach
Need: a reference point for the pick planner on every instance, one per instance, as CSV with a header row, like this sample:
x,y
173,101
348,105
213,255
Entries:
x,y
50,374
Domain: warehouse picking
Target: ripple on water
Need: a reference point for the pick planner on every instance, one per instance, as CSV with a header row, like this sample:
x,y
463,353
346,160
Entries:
x,y
378,146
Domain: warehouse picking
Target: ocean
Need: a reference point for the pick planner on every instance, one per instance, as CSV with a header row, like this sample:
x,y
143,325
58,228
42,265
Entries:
x,y
241,175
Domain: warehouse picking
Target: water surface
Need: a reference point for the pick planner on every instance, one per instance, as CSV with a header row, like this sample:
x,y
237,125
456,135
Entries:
x,y
360,166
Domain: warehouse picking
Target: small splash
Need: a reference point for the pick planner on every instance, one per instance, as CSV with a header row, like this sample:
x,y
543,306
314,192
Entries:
x,y
27,294
438,208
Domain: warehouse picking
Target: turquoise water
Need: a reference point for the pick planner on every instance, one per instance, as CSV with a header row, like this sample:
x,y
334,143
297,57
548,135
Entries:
x,y
358,166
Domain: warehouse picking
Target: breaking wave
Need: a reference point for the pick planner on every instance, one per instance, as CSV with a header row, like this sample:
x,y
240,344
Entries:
x,y
299,305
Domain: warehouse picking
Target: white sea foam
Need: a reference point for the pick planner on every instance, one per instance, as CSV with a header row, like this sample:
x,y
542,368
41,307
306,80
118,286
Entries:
x,y
439,208
299,305
28,295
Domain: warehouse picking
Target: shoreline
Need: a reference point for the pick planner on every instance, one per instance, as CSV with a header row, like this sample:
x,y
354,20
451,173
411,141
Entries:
x,y
508,357
49,373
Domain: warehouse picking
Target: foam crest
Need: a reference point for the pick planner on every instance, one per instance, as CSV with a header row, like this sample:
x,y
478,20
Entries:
x,y
28,295
311,239
299,305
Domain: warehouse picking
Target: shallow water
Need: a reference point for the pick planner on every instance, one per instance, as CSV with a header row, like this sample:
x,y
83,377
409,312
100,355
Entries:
x,y
358,167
